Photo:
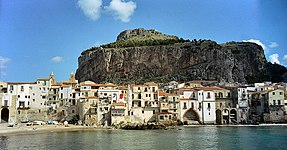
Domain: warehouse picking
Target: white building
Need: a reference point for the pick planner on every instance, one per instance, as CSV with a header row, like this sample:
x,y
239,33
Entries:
x,y
198,105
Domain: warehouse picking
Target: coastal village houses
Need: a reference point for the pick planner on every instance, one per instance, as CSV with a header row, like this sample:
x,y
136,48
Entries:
x,y
104,104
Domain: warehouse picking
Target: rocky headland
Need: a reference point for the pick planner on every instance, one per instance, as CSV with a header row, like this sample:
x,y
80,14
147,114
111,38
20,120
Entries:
x,y
141,55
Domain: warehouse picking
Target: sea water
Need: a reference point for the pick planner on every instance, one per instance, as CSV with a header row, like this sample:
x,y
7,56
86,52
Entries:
x,y
204,137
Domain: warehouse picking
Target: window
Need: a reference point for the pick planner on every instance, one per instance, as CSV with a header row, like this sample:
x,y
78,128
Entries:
x,y
161,117
145,89
132,113
6,103
11,87
18,96
273,93
228,94
279,102
274,102
184,105
155,96
281,93
208,105
26,96
153,111
220,95
28,103
142,111
215,94
22,88
208,94
139,88
192,105
169,117
199,107
153,89
146,95
140,96
73,111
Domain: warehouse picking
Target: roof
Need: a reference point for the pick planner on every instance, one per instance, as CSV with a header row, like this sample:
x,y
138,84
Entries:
x,y
162,93
43,79
14,83
122,88
209,88
185,89
118,104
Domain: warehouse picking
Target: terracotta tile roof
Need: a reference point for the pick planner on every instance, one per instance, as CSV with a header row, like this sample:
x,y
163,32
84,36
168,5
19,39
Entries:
x,y
185,89
14,83
43,79
182,99
118,104
162,93
209,88
122,88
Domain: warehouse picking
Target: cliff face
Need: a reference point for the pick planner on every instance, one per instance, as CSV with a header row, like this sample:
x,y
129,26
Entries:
x,y
186,61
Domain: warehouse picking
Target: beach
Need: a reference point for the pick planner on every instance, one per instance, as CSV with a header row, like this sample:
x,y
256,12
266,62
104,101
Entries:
x,y
35,129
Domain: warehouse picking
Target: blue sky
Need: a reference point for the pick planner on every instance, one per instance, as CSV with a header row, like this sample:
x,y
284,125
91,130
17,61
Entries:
x,y
42,36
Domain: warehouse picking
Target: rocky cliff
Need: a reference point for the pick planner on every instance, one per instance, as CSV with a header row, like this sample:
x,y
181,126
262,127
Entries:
x,y
159,61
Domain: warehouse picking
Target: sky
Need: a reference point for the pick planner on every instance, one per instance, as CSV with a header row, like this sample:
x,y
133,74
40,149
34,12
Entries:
x,y
38,37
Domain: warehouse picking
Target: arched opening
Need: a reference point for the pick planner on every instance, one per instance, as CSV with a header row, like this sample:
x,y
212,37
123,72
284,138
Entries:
x,y
225,116
233,116
218,116
191,117
5,114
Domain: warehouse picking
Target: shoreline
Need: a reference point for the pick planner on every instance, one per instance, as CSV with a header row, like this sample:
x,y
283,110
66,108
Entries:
x,y
38,129
239,125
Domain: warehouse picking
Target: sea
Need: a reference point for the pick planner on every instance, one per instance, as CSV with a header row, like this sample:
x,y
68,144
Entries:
x,y
184,137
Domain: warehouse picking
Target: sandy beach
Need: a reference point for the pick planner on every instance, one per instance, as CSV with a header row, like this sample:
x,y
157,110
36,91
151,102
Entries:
x,y
23,129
